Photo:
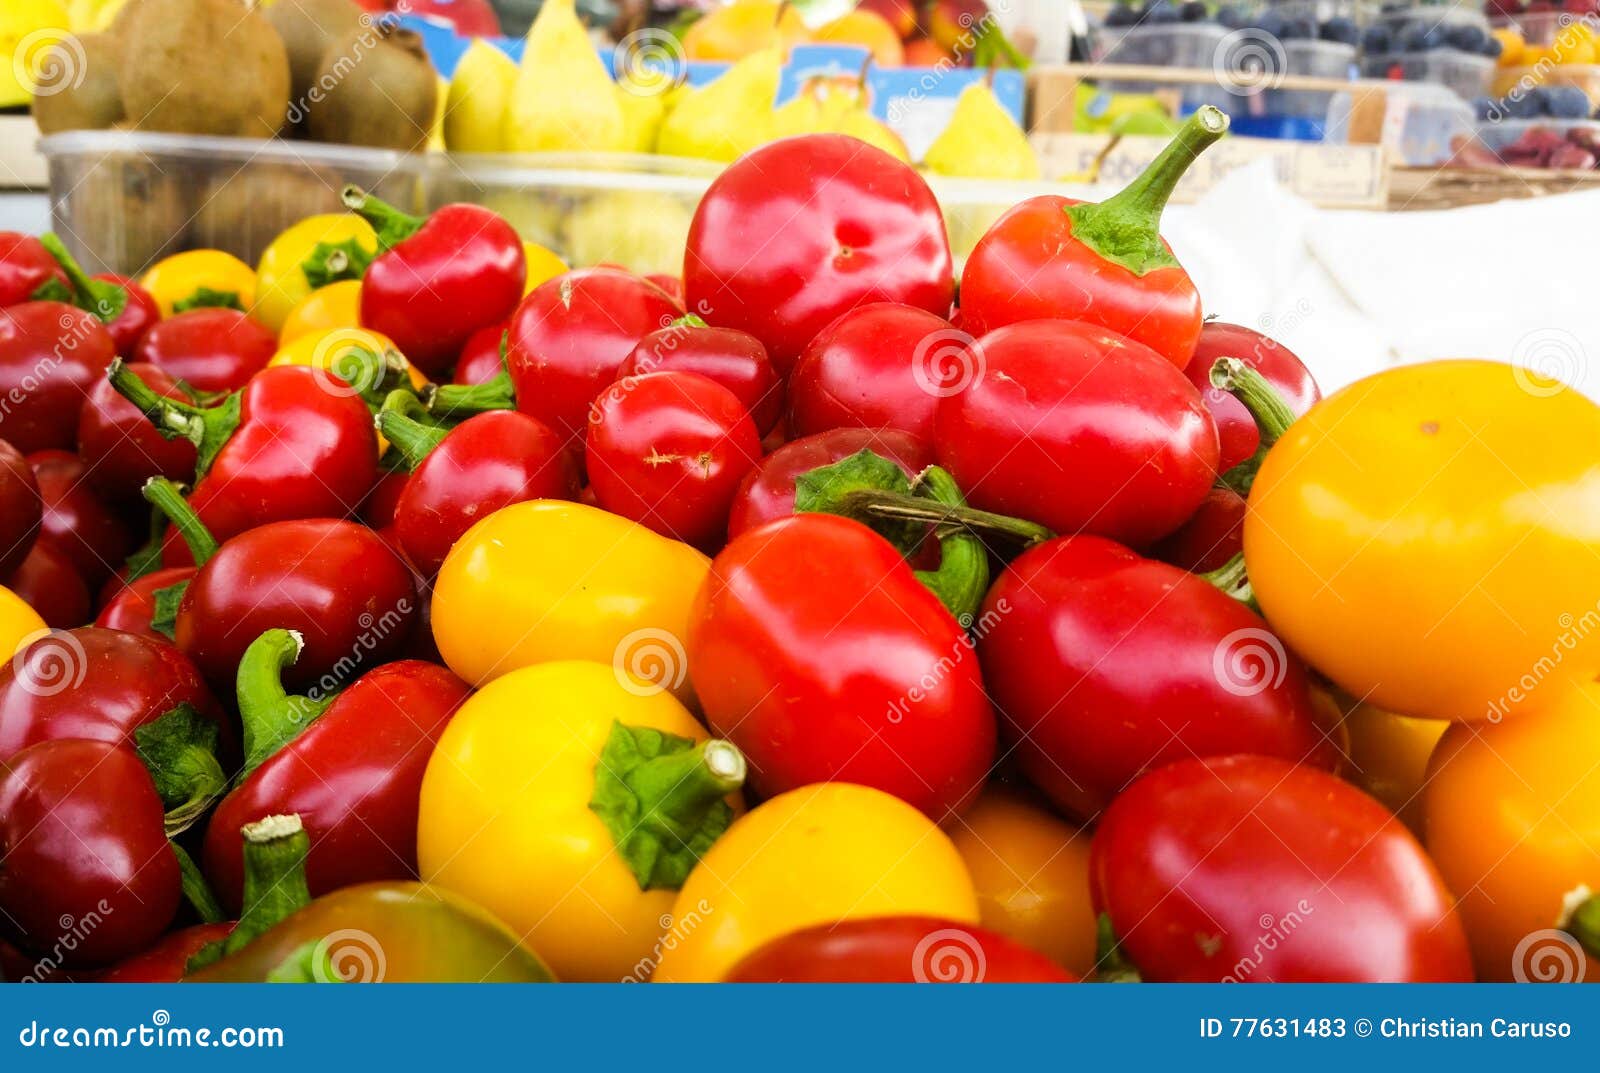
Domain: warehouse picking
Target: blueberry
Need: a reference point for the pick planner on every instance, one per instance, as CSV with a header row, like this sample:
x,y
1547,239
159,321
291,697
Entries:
x,y
1193,11
1270,23
1122,15
1434,37
1523,105
1298,30
1230,17
1486,108
1340,29
1160,12
1492,47
1376,41
1566,102
1413,37
1467,38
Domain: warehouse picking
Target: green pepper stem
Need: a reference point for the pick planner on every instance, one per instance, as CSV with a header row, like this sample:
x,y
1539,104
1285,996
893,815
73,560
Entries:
x,y
275,851
392,225
1269,409
1111,964
1233,580
912,508
196,891
689,320
103,298
207,427
406,424
1126,227
677,790
167,498
271,716
464,400
1583,924
963,575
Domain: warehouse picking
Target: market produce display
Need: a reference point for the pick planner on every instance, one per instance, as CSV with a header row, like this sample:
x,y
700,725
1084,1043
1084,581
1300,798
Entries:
x,y
409,608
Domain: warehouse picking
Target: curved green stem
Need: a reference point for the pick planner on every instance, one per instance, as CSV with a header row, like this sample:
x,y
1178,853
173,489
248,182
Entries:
x,y
900,507
167,498
392,225
1272,415
275,849
689,320
963,575
271,716
179,749
1126,227
196,891
464,400
1584,925
1232,578
106,300
409,428
207,427
1111,964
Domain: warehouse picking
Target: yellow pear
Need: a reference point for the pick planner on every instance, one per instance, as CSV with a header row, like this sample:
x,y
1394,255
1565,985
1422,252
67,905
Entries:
x,y
563,99
736,30
844,111
803,115
982,141
731,116
641,230
644,108
480,93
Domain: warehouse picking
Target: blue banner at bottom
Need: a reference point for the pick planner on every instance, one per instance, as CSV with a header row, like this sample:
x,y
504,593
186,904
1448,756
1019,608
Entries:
x,y
785,1027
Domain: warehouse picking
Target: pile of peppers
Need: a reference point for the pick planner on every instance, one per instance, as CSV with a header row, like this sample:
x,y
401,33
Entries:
x,y
403,609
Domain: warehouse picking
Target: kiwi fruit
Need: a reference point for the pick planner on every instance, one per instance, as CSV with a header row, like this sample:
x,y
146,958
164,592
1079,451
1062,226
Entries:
x,y
93,102
308,27
242,211
203,67
377,88
126,214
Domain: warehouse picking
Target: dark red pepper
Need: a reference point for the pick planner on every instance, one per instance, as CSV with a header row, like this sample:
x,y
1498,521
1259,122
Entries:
x,y
87,875
166,961
20,508
1212,536
1275,362
295,443
49,582
734,359
25,266
462,475
767,493
1055,258
481,360
438,279
148,603
51,354
354,775
121,449
76,520
210,349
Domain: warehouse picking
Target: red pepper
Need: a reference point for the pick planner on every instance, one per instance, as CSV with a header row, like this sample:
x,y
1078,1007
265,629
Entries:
x,y
1080,430
668,450
1253,869
462,475
297,442
1104,665
1212,536
166,961
121,449
1277,364
438,279
101,685
76,520
49,583
354,775
86,873
1053,257
819,653
209,349
136,605
337,583
798,232
20,508
125,308
50,355
767,493
480,360
25,266
879,366
896,950
378,509
734,359
141,313
564,347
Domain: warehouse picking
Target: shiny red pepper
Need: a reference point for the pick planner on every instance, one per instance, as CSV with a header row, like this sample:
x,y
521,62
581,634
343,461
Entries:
x,y
49,583
768,493
50,355
1213,534
896,950
438,279
463,475
798,232
20,508
121,449
734,359
1052,257
135,606
76,520
1277,364
297,442
166,961
354,775
125,308
818,652
25,266
208,349
480,360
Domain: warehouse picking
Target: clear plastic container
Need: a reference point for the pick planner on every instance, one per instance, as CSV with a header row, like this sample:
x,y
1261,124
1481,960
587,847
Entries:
x,y
1193,46
1538,138
1423,124
1310,59
1506,132
1541,28
1586,76
1464,73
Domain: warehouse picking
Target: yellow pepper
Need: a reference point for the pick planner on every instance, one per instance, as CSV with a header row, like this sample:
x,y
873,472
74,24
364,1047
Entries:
x,y
316,252
571,801
19,623
1429,538
338,305
1031,873
200,278
543,266
548,580
826,852
1388,753
1513,822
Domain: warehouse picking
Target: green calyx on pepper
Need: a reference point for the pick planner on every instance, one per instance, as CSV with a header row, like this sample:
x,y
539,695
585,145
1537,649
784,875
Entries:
x,y
275,850
663,798
1124,229
411,430
271,716
1111,963
392,225
167,498
207,427
106,300
180,749
465,400
1583,924
1272,415
335,262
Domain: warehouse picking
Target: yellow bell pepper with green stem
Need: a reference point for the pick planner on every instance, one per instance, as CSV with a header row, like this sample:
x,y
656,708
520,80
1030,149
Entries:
x,y
200,279
315,253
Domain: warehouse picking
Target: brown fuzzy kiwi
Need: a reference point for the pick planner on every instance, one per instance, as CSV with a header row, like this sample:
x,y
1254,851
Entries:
x,y
203,67
126,214
92,102
380,91
242,211
308,27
